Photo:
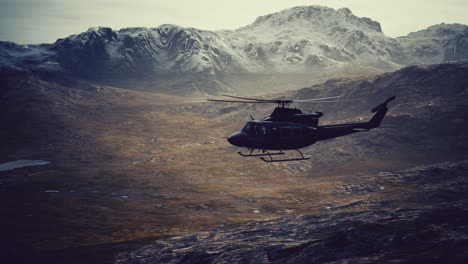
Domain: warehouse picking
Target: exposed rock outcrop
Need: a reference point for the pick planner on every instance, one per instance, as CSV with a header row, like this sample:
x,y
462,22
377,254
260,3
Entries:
x,y
435,231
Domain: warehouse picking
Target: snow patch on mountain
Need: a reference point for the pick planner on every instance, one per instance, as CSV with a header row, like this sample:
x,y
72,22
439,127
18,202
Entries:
x,y
429,45
296,40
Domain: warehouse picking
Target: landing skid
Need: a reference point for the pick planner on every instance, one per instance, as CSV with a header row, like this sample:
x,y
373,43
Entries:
x,y
266,153
259,155
282,160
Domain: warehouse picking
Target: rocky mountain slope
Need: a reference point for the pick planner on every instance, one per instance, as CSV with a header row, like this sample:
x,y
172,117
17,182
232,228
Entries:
x,y
308,39
438,43
426,122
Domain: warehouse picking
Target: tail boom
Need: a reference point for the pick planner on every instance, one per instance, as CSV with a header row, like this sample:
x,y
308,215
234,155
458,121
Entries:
x,y
333,131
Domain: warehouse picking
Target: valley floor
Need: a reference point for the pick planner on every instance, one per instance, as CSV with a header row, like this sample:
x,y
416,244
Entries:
x,y
130,167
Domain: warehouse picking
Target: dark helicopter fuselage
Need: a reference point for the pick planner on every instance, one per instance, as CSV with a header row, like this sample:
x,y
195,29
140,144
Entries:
x,y
274,135
290,129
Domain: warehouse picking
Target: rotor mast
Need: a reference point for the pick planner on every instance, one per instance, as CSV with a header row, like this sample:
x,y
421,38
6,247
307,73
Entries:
x,y
283,103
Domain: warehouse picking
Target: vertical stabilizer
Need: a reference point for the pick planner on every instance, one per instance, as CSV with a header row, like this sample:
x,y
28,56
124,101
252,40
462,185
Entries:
x,y
380,112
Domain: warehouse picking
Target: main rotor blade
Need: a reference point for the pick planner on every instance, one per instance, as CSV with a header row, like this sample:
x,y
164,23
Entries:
x,y
195,100
245,102
245,98
337,101
318,99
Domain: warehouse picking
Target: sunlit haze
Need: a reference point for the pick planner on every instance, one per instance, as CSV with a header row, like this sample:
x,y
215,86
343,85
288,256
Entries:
x,y
31,21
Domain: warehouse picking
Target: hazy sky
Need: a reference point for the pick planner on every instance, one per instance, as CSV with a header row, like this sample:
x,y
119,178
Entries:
x,y
38,21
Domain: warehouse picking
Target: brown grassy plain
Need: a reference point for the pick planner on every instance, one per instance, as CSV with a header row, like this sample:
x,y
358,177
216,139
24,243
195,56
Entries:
x,y
132,166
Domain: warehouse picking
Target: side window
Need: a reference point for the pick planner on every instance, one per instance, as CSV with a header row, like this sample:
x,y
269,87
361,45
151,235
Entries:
x,y
275,131
256,129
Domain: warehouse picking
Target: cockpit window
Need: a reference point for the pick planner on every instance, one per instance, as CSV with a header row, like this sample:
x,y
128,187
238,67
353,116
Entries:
x,y
247,128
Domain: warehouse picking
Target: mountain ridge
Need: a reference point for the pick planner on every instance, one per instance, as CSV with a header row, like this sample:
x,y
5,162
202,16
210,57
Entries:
x,y
302,39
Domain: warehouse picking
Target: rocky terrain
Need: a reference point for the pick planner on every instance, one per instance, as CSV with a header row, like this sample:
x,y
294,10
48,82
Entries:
x,y
107,149
131,167
440,43
310,42
427,224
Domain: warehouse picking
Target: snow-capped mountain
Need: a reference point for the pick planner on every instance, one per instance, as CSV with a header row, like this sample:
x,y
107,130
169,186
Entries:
x,y
299,39
302,38
433,45
457,47
165,49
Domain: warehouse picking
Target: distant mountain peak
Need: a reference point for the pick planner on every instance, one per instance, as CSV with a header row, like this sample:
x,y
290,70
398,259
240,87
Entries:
x,y
293,14
319,16
301,39
439,30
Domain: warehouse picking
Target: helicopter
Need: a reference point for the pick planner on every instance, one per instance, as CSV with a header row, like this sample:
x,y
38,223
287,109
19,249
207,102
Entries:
x,y
291,129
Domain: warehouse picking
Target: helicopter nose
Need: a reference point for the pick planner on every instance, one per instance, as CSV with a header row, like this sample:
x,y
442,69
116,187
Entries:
x,y
237,139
